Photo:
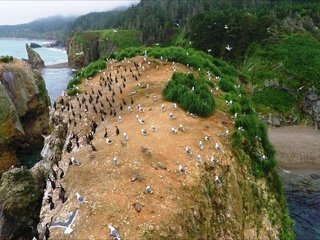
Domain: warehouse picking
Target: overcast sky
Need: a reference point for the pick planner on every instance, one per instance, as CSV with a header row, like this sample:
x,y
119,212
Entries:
x,y
16,12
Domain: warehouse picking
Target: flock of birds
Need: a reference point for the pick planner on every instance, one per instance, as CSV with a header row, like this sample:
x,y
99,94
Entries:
x,y
94,108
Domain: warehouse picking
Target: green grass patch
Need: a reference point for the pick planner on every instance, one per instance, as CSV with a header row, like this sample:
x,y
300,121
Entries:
x,y
6,59
198,101
275,99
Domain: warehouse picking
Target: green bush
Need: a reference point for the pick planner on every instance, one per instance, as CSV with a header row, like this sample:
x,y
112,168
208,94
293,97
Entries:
x,y
179,90
6,59
73,91
226,85
275,99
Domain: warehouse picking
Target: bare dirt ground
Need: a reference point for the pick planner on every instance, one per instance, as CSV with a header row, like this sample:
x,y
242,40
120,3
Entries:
x,y
298,147
108,189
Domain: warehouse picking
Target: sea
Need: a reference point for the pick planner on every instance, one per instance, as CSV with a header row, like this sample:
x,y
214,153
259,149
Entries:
x,y
56,78
302,192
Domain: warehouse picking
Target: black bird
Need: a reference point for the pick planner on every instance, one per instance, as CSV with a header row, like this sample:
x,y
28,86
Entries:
x,y
132,102
113,100
53,184
110,104
69,146
124,102
121,107
61,187
61,173
62,196
93,148
117,131
124,85
113,93
105,133
49,199
120,90
55,105
51,206
114,113
35,232
47,232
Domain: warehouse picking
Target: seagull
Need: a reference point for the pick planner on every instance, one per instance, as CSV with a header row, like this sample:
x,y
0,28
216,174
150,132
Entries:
x,y
141,121
228,47
109,141
148,189
174,106
171,116
163,108
153,128
116,161
217,180
130,109
226,27
200,145
81,198
174,130
209,50
73,161
199,158
181,128
114,30
154,97
177,24
120,119
264,157
225,133
188,150
192,89
182,169
206,138
258,138
114,233
213,160
67,223
125,136
144,132
241,129
218,147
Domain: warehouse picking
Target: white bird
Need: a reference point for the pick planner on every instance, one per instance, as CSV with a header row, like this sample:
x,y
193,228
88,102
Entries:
x,y
144,132
174,106
229,103
177,24
200,145
199,158
181,128
120,119
217,180
258,138
114,233
163,108
213,160
171,116
141,121
73,161
125,136
174,130
114,30
192,89
153,128
109,141
80,198
67,223
225,133
154,97
130,109
182,169
148,189
264,157
218,147
226,26
188,150
206,138
116,161
234,116
228,47
241,129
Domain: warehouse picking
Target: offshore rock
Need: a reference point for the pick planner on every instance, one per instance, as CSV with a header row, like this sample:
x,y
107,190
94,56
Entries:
x,y
34,58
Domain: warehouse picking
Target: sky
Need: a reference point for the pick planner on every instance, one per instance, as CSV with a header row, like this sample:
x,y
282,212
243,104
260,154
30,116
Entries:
x,y
17,12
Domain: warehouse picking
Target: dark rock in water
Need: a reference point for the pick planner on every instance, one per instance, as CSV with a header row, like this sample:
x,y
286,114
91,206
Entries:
x,y
35,45
34,58
315,176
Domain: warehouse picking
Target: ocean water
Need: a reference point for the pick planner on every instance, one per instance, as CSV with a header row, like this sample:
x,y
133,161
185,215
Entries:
x,y
56,78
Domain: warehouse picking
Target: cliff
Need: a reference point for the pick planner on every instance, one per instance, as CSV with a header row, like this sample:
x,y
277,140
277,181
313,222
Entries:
x,y
24,114
217,196
88,46
34,58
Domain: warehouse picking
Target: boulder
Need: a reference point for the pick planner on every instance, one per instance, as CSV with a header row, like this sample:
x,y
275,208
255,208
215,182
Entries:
x,y
24,114
34,58
35,45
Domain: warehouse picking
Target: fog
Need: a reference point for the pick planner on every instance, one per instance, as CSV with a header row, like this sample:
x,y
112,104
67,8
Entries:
x,y
17,12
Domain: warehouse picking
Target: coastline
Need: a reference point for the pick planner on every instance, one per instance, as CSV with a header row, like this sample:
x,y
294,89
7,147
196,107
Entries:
x,y
58,65
297,148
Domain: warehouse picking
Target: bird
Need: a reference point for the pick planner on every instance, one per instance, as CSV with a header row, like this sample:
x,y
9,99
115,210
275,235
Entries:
x,y
174,130
171,116
199,158
53,184
241,129
47,232
163,108
217,180
181,128
130,109
35,233
73,161
117,131
109,141
225,133
200,145
114,233
120,119
148,189
153,128
174,106
206,138
61,173
182,169
137,207
213,160
125,136
218,147
105,133
80,198
116,161
144,132
141,121
188,150
228,48
226,27
51,205
62,196
67,223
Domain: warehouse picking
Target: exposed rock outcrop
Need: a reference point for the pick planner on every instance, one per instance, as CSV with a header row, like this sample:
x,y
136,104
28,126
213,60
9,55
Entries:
x,y
24,114
34,58
311,105
35,45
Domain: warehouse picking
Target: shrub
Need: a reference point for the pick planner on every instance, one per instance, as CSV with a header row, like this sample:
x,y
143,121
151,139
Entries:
x,y
226,85
199,101
6,59
73,91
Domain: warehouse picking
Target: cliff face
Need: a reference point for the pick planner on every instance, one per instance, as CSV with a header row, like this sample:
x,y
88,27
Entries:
x,y
190,205
34,58
85,47
24,114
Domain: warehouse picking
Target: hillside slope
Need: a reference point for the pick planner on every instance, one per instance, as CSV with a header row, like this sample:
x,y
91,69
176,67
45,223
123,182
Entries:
x,y
192,205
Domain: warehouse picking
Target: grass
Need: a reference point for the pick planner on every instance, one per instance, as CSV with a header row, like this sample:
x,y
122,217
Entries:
x,y
198,101
6,59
